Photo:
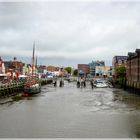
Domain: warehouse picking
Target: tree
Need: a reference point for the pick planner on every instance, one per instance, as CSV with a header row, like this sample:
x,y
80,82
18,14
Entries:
x,y
121,71
75,72
121,75
68,69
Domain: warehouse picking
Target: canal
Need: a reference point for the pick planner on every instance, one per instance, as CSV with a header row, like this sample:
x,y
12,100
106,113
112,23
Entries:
x,y
71,112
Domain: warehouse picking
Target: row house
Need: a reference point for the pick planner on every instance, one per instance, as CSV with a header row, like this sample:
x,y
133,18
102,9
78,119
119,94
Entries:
x,y
17,66
58,71
117,62
133,66
2,66
42,69
52,68
14,66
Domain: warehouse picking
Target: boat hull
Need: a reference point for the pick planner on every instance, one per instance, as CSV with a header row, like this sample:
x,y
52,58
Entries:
x,y
101,85
32,90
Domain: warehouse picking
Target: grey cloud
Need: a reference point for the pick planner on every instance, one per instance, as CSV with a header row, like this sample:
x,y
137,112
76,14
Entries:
x,y
69,31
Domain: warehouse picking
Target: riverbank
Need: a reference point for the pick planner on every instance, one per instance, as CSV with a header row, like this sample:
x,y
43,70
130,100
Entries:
x,y
16,87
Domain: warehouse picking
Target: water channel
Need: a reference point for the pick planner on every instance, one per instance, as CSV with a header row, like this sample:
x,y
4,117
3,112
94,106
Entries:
x,y
71,112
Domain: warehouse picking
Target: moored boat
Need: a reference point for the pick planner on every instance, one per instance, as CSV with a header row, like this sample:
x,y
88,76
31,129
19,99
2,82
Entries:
x,y
33,85
100,83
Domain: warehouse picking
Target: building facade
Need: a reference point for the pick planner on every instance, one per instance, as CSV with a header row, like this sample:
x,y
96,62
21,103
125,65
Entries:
x,y
133,66
2,66
42,69
103,71
83,70
14,66
117,62
93,65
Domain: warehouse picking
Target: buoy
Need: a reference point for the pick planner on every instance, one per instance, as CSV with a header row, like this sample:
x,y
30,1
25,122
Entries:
x,y
25,95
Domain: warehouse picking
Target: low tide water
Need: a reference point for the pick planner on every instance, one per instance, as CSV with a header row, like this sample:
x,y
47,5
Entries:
x,y
71,112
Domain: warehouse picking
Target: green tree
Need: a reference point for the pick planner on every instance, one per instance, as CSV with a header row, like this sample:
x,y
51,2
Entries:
x,y
121,75
75,72
68,69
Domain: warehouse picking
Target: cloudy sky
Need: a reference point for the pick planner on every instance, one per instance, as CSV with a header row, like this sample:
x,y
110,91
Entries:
x,y
70,32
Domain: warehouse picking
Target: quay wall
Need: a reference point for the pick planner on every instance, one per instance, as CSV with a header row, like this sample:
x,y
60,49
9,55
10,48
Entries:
x,y
11,89
45,81
133,87
14,88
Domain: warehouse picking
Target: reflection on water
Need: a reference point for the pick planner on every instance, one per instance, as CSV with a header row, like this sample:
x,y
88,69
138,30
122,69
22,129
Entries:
x,y
131,101
127,98
71,112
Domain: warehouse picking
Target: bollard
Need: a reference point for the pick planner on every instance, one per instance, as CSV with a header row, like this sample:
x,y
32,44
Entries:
x,y
16,87
78,84
12,88
55,84
60,83
3,91
84,83
0,91
8,90
91,83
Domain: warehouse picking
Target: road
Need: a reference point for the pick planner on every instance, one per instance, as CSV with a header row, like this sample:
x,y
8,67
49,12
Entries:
x,y
71,112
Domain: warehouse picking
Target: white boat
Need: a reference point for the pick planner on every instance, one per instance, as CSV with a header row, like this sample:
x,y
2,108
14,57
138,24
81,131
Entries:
x,y
101,84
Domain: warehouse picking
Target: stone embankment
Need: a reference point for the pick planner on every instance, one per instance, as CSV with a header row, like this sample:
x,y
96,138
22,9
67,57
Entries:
x,y
16,87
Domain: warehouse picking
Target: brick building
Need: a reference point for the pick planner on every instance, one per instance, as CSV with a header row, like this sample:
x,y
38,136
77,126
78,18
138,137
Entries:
x,y
133,66
14,66
83,69
117,62
52,68
59,71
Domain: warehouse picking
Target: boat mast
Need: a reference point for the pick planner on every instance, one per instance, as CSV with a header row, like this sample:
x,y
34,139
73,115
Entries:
x,y
36,64
33,59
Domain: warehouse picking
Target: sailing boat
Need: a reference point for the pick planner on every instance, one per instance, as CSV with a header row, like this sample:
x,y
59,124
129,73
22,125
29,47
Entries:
x,y
33,85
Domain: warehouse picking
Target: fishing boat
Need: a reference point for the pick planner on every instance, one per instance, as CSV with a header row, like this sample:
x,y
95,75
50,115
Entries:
x,y
33,84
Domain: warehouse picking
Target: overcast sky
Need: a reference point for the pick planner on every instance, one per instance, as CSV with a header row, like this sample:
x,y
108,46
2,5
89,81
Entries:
x,y
68,33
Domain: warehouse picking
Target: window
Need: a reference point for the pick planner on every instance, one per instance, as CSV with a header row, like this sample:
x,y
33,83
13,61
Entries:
x,y
119,61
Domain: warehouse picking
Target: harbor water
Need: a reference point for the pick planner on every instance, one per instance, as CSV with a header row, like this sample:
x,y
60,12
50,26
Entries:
x,y
71,112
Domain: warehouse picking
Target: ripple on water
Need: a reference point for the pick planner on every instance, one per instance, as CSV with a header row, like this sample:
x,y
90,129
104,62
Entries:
x,y
109,107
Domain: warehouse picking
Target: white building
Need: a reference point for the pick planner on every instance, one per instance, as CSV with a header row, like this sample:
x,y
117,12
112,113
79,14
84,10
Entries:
x,y
102,70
